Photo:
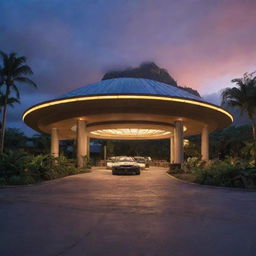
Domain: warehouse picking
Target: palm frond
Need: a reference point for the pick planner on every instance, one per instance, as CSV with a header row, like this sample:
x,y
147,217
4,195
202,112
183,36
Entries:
x,y
10,100
15,88
229,93
22,70
17,62
3,55
242,96
26,81
237,80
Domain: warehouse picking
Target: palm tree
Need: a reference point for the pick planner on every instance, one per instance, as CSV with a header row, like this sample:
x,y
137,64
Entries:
x,y
244,97
12,73
10,102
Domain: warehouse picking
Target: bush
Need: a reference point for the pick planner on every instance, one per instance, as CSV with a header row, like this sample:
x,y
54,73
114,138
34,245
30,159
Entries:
x,y
227,175
13,163
87,163
175,168
51,168
2,181
21,180
193,162
176,171
38,166
18,167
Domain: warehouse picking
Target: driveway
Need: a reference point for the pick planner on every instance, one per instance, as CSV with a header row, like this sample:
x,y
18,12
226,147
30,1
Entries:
x,y
150,214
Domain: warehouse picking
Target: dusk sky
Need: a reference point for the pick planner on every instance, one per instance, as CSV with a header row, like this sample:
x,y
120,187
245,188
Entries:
x,y
203,44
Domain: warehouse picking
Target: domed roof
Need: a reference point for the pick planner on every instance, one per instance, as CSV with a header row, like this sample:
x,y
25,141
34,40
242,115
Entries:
x,y
138,86
123,103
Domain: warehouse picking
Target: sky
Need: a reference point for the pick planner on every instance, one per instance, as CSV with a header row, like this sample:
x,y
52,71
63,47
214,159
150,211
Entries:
x,y
203,44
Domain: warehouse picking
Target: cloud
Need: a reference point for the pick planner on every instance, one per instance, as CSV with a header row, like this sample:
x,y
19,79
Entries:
x,y
203,44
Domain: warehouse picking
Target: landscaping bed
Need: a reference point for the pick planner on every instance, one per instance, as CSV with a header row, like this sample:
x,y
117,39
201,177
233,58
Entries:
x,y
22,168
217,173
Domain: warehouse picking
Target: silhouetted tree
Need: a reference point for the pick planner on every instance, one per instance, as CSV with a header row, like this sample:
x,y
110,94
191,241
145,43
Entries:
x,y
42,142
14,139
10,102
12,71
243,96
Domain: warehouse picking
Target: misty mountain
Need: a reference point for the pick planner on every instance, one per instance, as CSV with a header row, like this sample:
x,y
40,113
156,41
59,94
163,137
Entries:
x,y
149,70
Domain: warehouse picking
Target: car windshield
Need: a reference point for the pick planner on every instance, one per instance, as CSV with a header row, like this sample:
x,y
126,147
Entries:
x,y
125,159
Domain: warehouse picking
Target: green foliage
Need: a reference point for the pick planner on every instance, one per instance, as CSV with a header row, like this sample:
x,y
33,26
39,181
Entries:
x,y
21,180
192,149
226,142
223,173
14,138
42,142
243,96
249,151
175,171
87,163
13,73
193,162
13,163
229,141
2,181
19,167
187,167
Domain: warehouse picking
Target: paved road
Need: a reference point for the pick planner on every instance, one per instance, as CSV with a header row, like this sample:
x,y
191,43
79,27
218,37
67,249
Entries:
x,y
150,214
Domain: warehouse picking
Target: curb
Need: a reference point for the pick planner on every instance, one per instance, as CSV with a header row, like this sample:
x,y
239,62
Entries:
x,y
211,186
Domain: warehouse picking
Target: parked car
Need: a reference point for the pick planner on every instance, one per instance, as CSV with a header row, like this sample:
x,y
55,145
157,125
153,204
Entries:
x,y
126,165
148,161
141,161
110,162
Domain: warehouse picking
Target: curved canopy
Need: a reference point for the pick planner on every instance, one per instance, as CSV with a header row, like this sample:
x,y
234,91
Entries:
x,y
127,108
138,86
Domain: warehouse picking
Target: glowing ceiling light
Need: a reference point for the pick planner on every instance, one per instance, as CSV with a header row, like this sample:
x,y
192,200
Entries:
x,y
130,132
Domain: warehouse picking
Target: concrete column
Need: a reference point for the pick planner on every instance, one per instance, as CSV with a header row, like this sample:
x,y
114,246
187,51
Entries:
x,y
105,154
81,142
205,143
54,142
172,150
178,143
88,147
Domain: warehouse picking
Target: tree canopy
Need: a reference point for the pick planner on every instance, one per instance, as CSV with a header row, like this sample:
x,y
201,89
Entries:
x,y
243,96
13,72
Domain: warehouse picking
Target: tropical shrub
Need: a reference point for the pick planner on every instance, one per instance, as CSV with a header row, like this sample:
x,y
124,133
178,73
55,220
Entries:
x,y
222,173
19,167
87,163
187,167
21,180
13,163
191,163
175,171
